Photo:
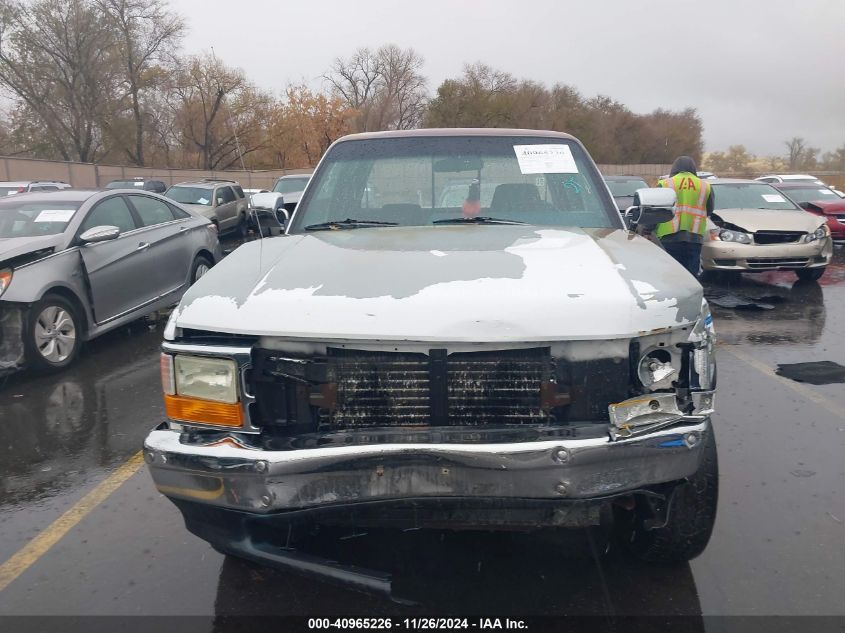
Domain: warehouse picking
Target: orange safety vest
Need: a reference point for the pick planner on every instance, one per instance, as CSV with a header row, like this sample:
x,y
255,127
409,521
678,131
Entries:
x,y
691,205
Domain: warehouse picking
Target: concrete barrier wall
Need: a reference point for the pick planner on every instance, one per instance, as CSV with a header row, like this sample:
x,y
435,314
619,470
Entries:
x,y
87,175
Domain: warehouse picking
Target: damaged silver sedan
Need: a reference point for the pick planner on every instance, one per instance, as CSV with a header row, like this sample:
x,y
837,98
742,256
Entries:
x,y
75,264
520,362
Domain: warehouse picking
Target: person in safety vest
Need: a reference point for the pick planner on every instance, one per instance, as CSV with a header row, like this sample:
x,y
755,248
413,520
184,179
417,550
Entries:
x,y
683,236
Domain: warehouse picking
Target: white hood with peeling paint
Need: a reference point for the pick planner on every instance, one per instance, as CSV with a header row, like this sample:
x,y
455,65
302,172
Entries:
x,y
446,283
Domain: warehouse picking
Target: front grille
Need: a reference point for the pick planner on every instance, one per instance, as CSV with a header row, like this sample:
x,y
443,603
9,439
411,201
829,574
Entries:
x,y
776,262
392,389
777,237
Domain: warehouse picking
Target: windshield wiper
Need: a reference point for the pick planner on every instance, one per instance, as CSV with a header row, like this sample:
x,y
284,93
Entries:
x,y
348,223
478,219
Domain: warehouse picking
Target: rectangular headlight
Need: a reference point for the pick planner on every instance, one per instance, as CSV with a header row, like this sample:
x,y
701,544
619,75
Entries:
x,y
213,379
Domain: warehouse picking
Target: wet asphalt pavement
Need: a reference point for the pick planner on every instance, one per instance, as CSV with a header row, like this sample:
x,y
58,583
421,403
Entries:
x,y
778,547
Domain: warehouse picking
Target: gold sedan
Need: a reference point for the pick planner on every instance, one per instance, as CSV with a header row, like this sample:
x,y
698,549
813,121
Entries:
x,y
754,227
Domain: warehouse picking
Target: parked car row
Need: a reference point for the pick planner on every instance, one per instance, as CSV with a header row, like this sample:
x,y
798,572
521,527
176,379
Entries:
x,y
76,263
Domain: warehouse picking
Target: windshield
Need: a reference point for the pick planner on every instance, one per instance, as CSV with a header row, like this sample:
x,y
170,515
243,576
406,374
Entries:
x,y
125,184
749,196
811,194
9,191
420,180
190,195
290,185
628,187
35,218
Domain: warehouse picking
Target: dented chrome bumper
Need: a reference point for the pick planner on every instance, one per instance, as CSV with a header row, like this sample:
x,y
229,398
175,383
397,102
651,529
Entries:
x,y
228,476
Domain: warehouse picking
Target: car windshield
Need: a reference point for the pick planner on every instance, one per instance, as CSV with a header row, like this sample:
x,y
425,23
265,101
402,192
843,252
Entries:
x,y
619,187
290,185
35,218
423,180
742,195
190,195
125,184
811,194
8,191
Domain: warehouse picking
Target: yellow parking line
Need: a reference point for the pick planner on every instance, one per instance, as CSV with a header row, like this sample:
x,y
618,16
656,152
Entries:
x,y
40,545
798,387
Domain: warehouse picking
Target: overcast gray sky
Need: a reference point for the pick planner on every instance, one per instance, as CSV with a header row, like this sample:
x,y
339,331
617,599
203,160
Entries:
x,y
757,71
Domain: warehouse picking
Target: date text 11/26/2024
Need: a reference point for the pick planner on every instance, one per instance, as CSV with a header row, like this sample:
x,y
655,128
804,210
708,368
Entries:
x,y
416,624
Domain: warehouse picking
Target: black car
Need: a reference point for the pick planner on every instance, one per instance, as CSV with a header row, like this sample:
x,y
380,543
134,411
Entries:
x,y
622,188
156,186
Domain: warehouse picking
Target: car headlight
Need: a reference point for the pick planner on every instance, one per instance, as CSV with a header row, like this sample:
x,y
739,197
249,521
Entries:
x,y
5,279
819,234
206,378
201,390
729,235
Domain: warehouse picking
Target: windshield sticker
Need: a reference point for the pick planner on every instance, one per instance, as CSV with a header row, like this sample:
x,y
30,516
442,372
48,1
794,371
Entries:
x,y
545,159
202,201
773,197
55,215
827,192
139,184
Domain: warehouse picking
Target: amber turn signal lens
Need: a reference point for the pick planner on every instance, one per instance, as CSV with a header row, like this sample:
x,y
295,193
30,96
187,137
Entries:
x,y
203,411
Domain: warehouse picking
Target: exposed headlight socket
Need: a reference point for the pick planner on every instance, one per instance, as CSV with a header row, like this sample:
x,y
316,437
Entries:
x,y
655,369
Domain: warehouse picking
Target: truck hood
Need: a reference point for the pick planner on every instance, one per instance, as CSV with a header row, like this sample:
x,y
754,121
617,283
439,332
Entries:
x,y
445,283
15,247
752,220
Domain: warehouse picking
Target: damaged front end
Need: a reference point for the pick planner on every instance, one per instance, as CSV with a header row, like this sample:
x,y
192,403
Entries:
x,y
516,438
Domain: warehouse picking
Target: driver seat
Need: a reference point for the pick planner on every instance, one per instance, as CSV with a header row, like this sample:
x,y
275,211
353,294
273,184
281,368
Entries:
x,y
516,196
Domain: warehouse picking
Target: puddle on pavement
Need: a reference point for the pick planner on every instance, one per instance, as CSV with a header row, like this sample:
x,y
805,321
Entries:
x,y
823,372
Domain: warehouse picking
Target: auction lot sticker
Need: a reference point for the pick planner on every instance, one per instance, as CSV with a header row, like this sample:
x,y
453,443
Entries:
x,y
545,159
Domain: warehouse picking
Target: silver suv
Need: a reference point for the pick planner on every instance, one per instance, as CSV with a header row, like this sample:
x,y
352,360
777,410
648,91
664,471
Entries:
x,y
24,186
221,201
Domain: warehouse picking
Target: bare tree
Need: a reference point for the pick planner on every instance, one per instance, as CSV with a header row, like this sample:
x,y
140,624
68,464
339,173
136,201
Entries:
x,y
146,33
403,92
56,57
795,152
385,87
220,114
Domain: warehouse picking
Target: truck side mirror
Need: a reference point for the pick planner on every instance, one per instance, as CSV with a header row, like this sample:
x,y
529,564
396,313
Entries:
x,y
651,207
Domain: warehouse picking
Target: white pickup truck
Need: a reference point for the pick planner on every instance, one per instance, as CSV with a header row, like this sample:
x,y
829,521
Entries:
x,y
519,363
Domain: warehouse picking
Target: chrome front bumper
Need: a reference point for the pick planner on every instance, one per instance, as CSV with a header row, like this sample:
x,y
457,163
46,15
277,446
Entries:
x,y
759,257
265,482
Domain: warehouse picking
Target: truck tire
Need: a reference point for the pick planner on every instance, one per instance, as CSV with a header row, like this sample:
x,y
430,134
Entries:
x,y
53,334
690,522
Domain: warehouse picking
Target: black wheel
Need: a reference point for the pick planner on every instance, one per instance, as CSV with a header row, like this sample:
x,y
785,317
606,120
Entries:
x,y
692,514
53,334
810,274
200,266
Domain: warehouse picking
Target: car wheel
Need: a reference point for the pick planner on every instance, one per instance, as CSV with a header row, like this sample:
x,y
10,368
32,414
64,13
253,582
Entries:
x,y
810,274
53,334
691,516
200,266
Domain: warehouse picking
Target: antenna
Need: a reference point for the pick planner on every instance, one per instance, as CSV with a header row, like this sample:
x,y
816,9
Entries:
x,y
234,131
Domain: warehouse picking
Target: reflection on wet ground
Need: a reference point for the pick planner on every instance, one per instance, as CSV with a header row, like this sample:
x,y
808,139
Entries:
x,y
777,547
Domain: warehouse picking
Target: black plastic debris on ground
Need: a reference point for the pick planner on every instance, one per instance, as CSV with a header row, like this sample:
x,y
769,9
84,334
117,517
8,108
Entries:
x,y
727,299
823,372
